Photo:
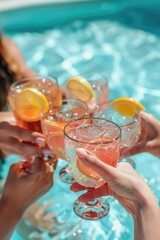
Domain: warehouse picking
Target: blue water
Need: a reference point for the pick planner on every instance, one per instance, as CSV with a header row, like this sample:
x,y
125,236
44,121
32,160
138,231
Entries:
x,y
125,47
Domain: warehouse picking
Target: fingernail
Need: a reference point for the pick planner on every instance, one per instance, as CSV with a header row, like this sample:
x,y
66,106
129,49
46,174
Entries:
x,y
40,141
47,151
81,153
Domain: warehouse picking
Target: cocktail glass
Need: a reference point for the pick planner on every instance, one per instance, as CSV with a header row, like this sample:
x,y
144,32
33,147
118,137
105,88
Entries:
x,y
129,123
53,123
28,96
99,84
102,138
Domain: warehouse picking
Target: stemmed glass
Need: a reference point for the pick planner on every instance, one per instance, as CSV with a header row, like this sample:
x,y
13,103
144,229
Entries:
x,y
102,138
28,96
53,123
129,123
99,84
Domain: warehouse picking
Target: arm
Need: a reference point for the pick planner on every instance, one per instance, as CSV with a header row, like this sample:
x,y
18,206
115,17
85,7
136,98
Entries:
x,y
15,59
30,180
9,218
147,221
127,186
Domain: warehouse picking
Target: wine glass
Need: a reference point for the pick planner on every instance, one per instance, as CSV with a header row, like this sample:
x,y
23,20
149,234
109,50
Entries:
x,y
99,85
53,123
28,96
102,138
129,123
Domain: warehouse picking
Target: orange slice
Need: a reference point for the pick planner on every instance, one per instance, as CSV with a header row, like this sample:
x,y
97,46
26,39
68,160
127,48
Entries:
x,y
55,137
127,106
88,172
80,88
56,143
29,104
54,127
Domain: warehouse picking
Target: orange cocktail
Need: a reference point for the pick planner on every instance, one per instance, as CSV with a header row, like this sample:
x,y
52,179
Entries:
x,y
101,138
53,123
29,96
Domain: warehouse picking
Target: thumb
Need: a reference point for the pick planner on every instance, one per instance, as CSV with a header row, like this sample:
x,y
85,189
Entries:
x,y
37,164
106,171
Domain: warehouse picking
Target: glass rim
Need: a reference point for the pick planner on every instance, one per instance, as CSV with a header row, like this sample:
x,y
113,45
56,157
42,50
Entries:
x,y
66,135
92,72
25,79
42,115
85,74
134,121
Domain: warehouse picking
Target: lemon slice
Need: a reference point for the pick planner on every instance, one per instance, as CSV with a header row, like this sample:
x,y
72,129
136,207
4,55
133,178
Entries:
x,y
88,172
127,106
80,88
29,103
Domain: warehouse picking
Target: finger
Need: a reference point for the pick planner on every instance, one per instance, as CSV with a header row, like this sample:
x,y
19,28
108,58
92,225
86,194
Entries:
x,y
76,187
51,162
139,148
37,164
91,195
18,170
7,116
13,146
144,122
22,134
152,124
106,171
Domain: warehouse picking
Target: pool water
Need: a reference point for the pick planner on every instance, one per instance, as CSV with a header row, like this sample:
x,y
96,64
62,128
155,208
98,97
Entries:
x,y
124,45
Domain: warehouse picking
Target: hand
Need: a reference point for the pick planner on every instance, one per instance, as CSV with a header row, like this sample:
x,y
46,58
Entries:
x,y
16,140
122,182
27,181
150,137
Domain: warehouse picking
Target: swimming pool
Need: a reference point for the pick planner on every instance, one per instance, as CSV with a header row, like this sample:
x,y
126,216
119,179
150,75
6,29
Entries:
x,y
121,40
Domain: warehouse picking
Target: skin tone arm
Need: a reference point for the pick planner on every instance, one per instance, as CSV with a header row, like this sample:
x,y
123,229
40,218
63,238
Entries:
x,y
150,137
16,64
129,189
30,180
15,59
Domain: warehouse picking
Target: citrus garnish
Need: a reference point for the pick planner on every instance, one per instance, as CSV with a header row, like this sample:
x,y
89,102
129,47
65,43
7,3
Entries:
x,y
80,88
88,172
126,106
54,127
29,104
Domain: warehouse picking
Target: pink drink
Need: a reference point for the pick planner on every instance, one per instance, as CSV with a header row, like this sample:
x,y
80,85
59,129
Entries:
x,y
104,142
